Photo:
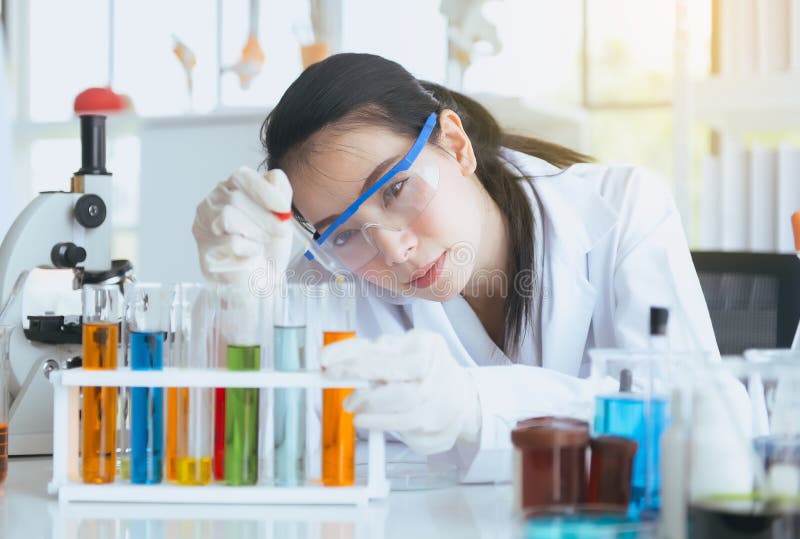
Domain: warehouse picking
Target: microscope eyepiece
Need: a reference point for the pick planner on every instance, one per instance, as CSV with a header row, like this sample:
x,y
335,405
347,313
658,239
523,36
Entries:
x,y
93,145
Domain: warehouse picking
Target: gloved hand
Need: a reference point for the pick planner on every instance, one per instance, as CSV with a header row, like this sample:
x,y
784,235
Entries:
x,y
238,235
417,389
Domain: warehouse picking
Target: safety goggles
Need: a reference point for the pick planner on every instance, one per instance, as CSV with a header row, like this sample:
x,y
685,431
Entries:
x,y
390,205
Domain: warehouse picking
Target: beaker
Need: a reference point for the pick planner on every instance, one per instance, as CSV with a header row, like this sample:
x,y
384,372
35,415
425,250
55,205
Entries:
x,y
5,372
744,458
632,401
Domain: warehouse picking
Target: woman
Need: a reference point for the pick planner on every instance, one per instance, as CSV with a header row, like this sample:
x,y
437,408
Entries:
x,y
490,262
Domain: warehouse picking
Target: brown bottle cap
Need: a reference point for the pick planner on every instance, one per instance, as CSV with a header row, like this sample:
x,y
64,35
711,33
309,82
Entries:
x,y
548,420
550,432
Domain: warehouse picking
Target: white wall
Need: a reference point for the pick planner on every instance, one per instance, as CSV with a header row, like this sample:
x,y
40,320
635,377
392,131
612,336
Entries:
x,y
8,184
182,160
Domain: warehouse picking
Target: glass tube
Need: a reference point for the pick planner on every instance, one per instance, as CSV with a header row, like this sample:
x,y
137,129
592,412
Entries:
x,y
290,403
5,371
147,314
124,414
101,318
197,309
174,358
242,316
219,429
338,431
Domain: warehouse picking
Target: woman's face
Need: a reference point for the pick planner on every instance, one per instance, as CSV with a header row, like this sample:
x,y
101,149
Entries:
x,y
435,254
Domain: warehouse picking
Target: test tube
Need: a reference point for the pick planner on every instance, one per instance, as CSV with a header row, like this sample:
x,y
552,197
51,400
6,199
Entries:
x,y
338,432
219,429
124,414
147,314
242,315
197,345
5,371
171,434
175,396
101,318
290,403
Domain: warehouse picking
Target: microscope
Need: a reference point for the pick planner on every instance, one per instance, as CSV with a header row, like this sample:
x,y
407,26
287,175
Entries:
x,y
65,230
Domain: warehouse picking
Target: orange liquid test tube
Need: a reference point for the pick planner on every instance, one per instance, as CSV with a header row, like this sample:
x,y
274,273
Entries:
x,y
99,415
338,431
101,318
177,403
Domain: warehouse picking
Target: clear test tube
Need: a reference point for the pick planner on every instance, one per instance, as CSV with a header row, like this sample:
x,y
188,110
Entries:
x,y
338,432
196,342
147,315
5,371
242,317
101,319
289,321
124,411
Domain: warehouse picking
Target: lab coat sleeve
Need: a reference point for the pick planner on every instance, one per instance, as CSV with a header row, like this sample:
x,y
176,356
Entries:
x,y
651,265
654,268
508,394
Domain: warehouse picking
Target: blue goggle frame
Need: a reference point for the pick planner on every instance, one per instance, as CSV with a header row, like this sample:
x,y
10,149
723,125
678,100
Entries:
x,y
402,165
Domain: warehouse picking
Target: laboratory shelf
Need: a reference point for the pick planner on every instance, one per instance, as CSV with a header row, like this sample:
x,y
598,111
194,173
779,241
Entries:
x,y
174,377
749,102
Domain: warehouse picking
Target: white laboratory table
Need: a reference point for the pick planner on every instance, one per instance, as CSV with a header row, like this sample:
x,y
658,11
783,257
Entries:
x,y
465,512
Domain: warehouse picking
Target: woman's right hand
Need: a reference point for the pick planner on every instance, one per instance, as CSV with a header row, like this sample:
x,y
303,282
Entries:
x,y
239,236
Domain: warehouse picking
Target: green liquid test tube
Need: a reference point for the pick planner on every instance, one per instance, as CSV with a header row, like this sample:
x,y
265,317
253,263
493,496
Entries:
x,y
241,420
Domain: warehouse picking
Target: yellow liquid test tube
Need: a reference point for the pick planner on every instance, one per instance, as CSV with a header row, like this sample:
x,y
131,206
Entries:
x,y
193,471
191,416
99,415
338,431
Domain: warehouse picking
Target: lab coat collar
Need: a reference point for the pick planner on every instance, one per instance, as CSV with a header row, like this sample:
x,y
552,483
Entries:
x,y
576,219
577,215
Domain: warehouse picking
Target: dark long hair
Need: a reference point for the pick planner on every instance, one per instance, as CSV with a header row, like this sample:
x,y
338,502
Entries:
x,y
364,89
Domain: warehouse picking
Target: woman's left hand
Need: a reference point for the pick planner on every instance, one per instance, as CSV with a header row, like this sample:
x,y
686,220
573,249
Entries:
x,y
417,390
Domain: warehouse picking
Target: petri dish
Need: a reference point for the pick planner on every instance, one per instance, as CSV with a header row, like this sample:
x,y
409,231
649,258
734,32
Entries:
x,y
404,475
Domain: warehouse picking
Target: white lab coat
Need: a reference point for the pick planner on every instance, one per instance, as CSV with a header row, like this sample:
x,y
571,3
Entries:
x,y
613,247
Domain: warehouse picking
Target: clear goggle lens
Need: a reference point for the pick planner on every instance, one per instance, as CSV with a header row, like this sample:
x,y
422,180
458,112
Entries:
x,y
394,207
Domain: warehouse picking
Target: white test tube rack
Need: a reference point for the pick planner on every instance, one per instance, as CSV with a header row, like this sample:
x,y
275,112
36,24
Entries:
x,y
67,483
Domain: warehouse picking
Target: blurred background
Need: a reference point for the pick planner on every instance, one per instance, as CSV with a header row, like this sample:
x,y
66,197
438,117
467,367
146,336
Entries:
x,y
703,93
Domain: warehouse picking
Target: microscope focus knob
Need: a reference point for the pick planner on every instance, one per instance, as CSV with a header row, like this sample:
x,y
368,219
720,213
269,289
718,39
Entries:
x,y
90,211
67,255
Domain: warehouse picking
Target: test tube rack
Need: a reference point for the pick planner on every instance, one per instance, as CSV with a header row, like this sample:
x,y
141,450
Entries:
x,y
66,481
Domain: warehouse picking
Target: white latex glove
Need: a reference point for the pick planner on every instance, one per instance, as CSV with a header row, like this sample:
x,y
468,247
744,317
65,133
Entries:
x,y
417,389
239,238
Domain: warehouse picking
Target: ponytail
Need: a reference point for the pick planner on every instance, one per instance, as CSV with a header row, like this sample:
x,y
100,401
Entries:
x,y
503,185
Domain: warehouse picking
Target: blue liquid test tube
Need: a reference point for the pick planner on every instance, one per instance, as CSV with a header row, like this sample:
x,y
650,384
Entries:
x,y
147,319
290,403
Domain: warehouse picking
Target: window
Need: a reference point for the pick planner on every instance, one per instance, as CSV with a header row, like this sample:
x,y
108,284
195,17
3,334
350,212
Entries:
x,y
62,48
540,54
628,57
